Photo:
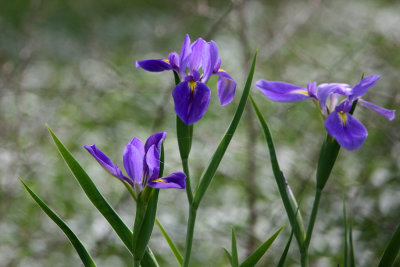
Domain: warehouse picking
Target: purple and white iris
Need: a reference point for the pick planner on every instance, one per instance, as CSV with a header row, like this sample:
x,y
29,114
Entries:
x,y
192,96
349,132
142,164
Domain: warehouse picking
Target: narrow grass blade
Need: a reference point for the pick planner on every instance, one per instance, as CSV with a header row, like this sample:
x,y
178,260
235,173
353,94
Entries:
x,y
80,249
234,256
391,251
97,198
346,250
285,251
228,255
260,251
288,199
212,167
171,244
352,262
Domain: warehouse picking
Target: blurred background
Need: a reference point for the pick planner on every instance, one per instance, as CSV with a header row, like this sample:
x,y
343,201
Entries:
x,y
71,64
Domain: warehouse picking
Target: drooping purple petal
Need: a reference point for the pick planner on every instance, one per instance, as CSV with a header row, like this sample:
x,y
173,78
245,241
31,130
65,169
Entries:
x,y
347,130
174,180
184,57
154,65
191,106
226,87
281,91
210,60
106,162
362,87
388,113
197,54
133,159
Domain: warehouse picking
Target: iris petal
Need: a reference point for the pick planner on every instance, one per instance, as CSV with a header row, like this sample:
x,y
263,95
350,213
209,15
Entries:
x,y
226,87
197,54
174,180
388,113
154,65
133,159
281,91
153,162
106,162
191,106
184,57
210,60
155,139
347,130
362,87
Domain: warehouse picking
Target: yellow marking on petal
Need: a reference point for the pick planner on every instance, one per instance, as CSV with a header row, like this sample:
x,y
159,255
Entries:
x,y
159,180
166,60
303,92
221,70
343,117
192,84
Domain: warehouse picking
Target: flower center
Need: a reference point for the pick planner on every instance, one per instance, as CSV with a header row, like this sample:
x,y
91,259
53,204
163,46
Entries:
x,y
192,84
343,117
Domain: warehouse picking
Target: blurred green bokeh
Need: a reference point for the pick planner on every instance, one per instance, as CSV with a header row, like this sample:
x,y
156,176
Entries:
x,y
71,64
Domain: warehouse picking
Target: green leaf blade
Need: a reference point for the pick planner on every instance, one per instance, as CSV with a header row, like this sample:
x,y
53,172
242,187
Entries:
x,y
252,260
285,251
288,199
212,167
391,251
171,244
79,247
234,256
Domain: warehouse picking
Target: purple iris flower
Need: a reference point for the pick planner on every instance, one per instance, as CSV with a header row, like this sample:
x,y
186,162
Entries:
x,y
348,131
142,164
192,96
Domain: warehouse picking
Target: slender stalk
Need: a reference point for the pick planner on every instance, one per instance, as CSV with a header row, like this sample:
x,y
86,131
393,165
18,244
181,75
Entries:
x,y
189,192
189,235
136,264
310,228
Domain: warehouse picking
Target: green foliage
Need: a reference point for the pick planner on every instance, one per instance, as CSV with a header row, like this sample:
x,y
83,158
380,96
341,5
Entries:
x,y
79,247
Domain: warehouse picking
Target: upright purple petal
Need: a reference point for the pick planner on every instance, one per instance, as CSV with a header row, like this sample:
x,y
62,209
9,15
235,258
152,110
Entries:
x,y
210,60
173,59
325,90
362,87
154,65
152,162
388,113
348,131
133,159
226,87
174,180
281,91
191,106
184,57
106,162
155,139
197,54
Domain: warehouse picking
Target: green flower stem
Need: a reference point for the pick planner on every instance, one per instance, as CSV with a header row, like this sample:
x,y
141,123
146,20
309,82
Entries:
x,y
189,235
189,192
313,216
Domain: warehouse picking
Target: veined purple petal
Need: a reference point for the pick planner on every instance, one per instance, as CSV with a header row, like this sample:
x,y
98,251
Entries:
x,y
174,61
155,139
210,60
154,65
347,130
153,162
174,180
184,57
362,87
191,106
281,91
226,87
388,113
325,90
133,159
106,163
197,54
